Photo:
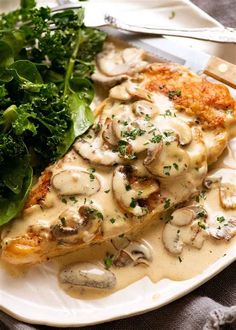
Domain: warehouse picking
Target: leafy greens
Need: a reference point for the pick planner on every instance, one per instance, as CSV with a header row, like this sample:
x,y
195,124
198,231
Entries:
x,y
45,92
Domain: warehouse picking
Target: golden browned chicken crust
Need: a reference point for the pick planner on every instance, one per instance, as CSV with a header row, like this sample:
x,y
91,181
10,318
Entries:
x,y
197,96
40,190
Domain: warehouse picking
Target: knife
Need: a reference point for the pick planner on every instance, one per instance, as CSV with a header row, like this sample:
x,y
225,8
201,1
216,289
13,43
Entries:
x,y
166,50
163,49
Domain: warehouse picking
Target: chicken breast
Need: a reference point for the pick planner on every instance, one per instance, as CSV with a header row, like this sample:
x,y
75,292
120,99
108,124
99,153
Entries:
x,y
148,151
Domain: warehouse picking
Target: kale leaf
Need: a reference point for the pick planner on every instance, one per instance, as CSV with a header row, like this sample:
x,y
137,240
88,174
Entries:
x,y
45,92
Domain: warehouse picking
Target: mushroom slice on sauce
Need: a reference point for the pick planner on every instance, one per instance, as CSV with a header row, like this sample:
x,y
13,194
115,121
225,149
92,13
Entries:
x,y
145,109
137,252
228,195
108,134
225,229
128,90
182,129
171,239
171,161
121,92
75,182
121,62
77,225
137,133
131,191
120,243
87,275
96,152
183,217
114,64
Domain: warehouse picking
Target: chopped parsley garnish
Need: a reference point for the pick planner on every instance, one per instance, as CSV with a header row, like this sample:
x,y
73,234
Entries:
x,y
201,224
128,187
167,203
167,217
124,150
107,191
172,15
202,196
91,170
133,134
63,221
95,213
201,214
145,210
73,199
133,203
108,261
112,220
122,145
147,117
180,260
168,113
156,138
166,170
97,128
172,94
176,166
64,200
99,215
220,219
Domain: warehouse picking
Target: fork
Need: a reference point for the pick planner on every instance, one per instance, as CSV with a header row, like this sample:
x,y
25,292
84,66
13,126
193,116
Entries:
x,y
219,34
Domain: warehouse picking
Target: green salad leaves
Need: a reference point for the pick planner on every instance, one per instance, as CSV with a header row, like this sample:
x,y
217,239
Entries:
x,y
45,92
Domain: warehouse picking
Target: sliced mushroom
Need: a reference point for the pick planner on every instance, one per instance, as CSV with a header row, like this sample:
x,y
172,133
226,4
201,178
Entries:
x,y
137,133
114,64
118,62
131,191
212,182
171,239
228,195
198,235
123,259
145,109
75,182
184,216
77,225
128,90
137,252
96,152
88,275
107,81
225,229
171,161
108,134
120,243
182,129
121,92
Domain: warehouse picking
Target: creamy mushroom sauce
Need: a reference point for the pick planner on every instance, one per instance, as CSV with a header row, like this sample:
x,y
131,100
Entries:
x,y
97,192
190,263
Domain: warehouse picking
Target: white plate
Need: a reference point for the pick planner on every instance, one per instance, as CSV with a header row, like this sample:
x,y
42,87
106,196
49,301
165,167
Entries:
x,y
36,298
